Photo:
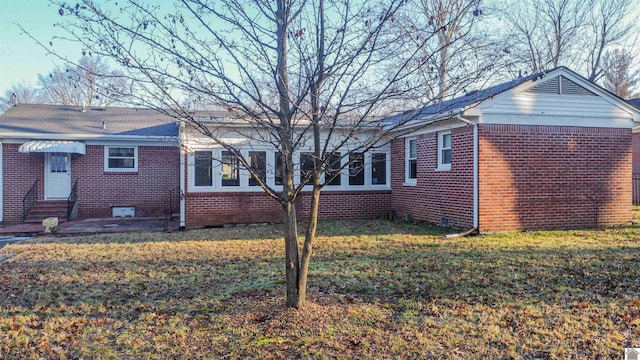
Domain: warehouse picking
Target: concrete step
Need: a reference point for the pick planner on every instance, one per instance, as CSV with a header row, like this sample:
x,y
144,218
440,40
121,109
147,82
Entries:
x,y
46,209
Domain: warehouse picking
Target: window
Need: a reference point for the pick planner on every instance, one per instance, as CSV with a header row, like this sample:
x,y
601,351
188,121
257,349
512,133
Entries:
x,y
121,158
444,150
306,167
203,171
279,168
230,170
58,162
258,164
378,169
411,162
333,169
356,169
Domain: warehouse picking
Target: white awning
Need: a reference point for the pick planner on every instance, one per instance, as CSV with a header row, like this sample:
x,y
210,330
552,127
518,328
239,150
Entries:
x,y
44,146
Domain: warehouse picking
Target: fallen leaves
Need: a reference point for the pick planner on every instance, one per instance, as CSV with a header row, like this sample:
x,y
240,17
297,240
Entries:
x,y
376,290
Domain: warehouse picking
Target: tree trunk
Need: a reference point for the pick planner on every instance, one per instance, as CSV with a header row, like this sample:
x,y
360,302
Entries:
x,y
292,263
307,248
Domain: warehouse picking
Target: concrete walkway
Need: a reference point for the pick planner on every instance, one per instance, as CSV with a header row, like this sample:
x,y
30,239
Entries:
x,y
94,226
8,239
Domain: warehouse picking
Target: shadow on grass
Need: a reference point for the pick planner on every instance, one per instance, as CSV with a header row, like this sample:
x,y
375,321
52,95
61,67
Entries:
x,y
250,232
423,273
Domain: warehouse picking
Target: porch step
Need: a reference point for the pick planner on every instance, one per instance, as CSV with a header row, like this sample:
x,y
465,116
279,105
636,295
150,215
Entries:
x,y
46,209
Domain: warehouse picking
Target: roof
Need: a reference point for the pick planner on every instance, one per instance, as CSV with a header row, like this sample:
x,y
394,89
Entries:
x,y
635,102
455,105
40,121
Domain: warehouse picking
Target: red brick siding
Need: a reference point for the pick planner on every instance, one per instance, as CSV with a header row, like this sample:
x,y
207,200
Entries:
x,y
19,172
437,194
636,154
552,177
146,190
247,207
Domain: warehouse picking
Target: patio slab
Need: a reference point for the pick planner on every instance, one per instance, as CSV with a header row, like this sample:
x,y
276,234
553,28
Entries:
x,y
95,226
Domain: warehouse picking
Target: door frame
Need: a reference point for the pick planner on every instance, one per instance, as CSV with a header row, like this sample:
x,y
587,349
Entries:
x,y
47,171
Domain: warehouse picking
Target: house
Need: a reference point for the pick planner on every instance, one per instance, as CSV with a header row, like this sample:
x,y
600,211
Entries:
x,y
546,151
87,162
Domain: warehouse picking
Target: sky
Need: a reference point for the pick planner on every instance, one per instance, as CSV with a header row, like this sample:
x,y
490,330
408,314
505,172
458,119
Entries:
x,y
21,60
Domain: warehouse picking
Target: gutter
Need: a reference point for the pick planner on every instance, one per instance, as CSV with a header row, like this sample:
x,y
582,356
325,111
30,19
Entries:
x,y
475,169
181,144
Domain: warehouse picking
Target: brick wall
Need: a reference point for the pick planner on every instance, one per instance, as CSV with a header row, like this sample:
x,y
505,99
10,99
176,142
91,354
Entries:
x,y
636,154
437,194
550,177
19,172
247,207
147,190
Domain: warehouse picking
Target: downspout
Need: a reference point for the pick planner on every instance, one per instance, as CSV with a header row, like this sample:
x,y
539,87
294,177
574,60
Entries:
x,y
181,144
475,170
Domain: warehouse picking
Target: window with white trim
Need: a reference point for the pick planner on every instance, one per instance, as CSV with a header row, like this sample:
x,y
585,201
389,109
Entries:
x,y
356,168
444,150
378,169
258,163
230,169
121,158
306,167
278,172
203,168
332,170
411,161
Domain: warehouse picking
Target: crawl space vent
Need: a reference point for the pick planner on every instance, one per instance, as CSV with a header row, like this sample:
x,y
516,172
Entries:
x,y
122,211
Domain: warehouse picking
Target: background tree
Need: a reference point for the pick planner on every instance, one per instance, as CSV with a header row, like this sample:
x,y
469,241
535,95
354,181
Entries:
x,y
90,82
24,94
618,76
462,50
303,76
572,33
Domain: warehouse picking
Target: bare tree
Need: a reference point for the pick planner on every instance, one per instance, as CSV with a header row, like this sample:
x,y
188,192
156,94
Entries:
x,y
462,50
545,32
89,82
21,93
300,76
618,76
550,33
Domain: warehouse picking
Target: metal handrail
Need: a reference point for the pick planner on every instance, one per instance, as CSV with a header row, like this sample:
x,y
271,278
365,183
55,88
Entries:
x,y
29,200
71,200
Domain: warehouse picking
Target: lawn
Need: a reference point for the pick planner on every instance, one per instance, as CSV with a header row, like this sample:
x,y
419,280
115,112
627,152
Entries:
x,y
377,290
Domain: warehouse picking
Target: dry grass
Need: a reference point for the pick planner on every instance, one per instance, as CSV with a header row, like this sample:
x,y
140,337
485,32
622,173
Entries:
x,y
377,290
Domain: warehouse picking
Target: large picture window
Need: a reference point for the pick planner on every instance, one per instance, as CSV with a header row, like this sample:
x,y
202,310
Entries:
x,y
203,168
230,169
121,158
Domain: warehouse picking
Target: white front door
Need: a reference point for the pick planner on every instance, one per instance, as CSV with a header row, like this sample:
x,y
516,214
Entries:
x,y
57,176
